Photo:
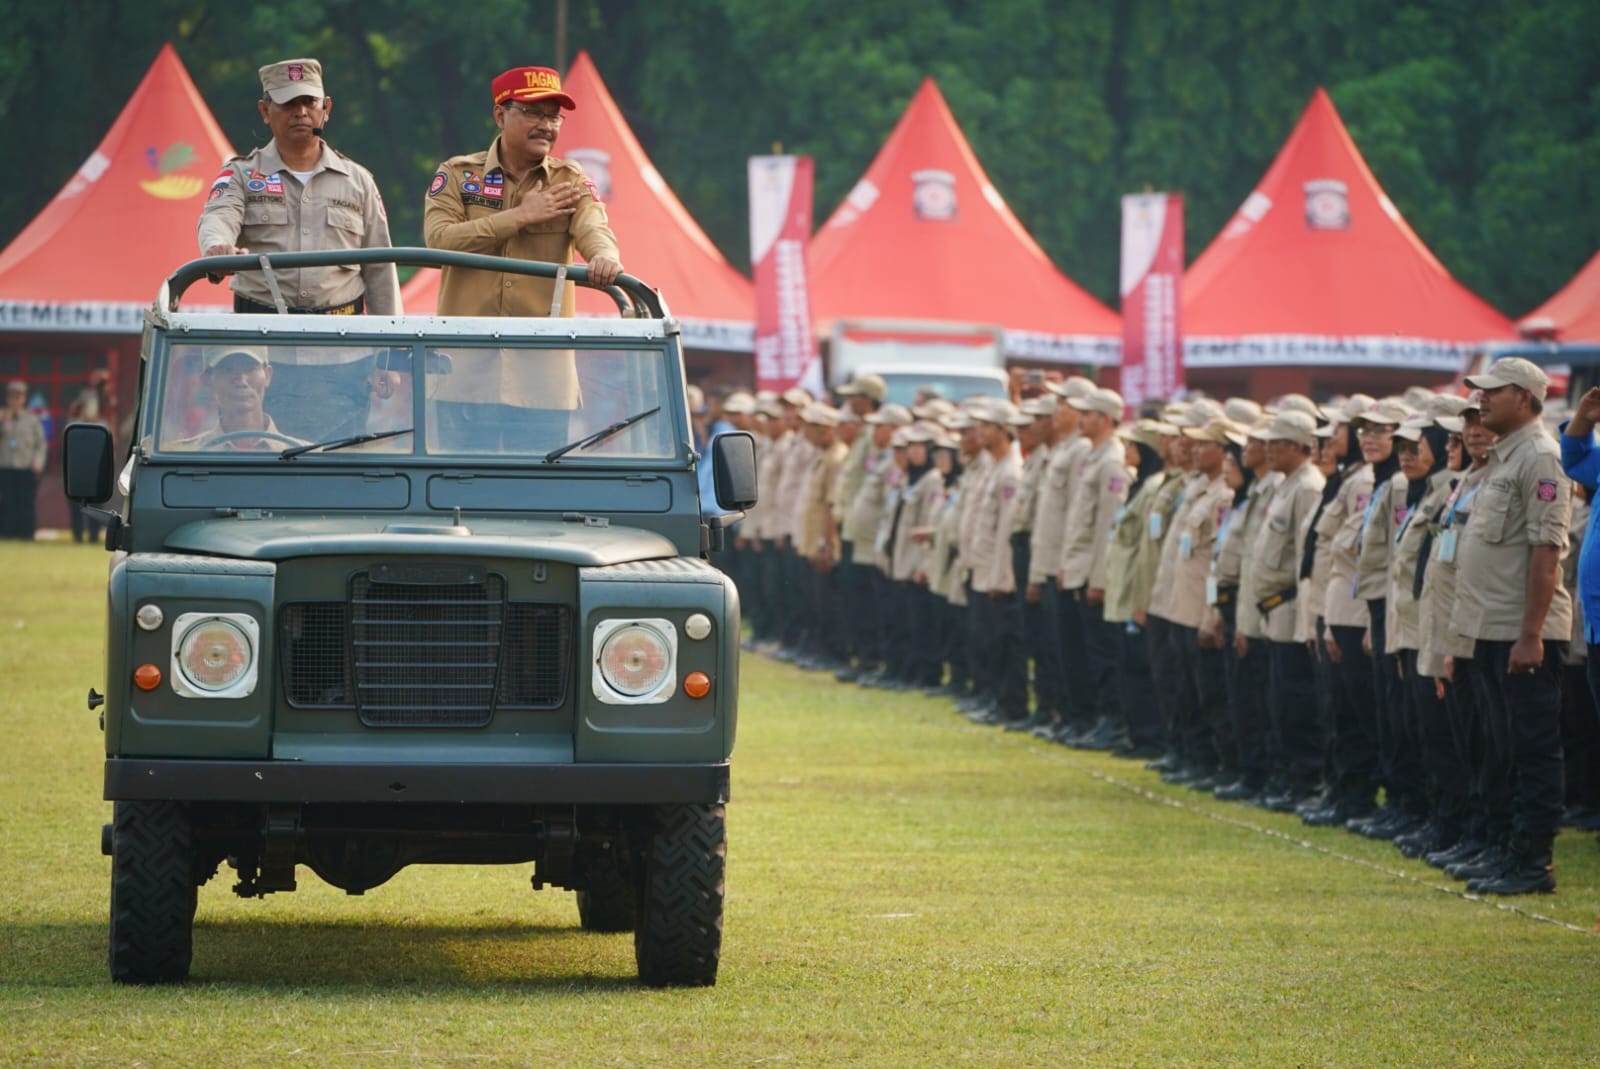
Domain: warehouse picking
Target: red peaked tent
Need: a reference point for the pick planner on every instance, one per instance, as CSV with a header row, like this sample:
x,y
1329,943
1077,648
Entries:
x,y
1574,311
660,241
1317,268
910,240
94,258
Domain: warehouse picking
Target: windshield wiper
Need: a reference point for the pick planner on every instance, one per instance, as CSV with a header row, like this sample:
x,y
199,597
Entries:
x,y
600,435
340,443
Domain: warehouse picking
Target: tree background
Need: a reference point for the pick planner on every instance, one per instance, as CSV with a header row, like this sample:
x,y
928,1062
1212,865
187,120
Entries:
x,y
1481,118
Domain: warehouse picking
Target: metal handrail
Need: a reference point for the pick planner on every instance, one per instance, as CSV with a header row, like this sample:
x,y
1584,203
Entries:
x,y
634,299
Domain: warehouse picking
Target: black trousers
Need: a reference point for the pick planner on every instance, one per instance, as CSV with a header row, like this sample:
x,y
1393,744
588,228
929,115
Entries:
x,y
1292,704
1447,774
1580,734
1255,751
1077,680
1327,698
18,490
1198,720
1008,653
1355,744
1398,770
1523,712
1050,670
1042,643
1176,689
977,642
1100,643
1469,732
1138,691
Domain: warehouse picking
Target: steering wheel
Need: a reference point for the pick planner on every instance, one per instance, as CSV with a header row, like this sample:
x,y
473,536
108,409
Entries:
x,y
232,436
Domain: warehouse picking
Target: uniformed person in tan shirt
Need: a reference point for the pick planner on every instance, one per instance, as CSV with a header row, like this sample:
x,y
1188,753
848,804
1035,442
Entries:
x,y
297,194
865,578
1060,623
1512,602
819,645
515,200
997,602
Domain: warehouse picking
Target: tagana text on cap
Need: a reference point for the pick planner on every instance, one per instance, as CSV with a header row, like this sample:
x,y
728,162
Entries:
x,y
530,83
291,80
1513,371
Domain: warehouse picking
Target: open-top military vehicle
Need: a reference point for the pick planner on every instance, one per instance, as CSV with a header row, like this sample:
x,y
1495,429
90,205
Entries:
x,y
390,591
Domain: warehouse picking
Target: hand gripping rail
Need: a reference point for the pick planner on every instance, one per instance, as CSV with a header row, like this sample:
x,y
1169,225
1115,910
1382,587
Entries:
x,y
633,298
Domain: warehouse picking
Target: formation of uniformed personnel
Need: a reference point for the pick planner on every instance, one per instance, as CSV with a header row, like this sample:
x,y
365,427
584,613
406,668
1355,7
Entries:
x,y
298,194
1353,612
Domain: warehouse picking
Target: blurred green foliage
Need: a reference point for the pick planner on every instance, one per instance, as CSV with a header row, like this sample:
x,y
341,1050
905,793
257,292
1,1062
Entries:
x,y
1480,117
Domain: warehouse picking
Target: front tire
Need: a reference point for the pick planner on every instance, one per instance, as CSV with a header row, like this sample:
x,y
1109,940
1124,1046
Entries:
x,y
153,893
678,938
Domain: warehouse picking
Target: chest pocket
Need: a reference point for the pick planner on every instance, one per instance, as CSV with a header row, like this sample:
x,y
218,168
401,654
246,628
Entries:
x,y
559,225
1491,512
266,214
346,219
1278,541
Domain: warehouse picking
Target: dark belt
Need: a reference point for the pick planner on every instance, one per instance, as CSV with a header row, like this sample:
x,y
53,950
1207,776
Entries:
x,y
245,304
1226,593
1272,601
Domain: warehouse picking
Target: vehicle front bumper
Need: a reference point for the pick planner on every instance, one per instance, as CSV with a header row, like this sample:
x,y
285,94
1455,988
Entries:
x,y
285,782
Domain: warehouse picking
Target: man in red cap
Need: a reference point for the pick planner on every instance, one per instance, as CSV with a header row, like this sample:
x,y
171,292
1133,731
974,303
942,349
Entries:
x,y
515,200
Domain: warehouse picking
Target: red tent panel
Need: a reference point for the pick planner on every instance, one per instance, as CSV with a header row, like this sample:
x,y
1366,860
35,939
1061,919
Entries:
x,y
924,235
659,240
1318,266
127,218
1574,311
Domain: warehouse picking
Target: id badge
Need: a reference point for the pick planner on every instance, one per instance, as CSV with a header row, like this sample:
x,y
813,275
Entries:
x,y
1211,590
1447,546
1155,526
1186,545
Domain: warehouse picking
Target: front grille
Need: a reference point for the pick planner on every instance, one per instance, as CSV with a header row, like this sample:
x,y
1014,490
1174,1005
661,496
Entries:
x,y
427,653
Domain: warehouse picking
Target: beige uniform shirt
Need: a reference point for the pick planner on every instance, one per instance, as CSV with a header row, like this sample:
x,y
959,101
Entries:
x,y
1526,501
974,484
1193,537
998,507
1405,609
1375,536
1247,618
22,442
1102,487
792,486
767,474
918,516
1275,550
865,512
1439,581
1051,507
1340,529
257,204
1033,469
1131,557
1185,485
942,557
851,474
817,531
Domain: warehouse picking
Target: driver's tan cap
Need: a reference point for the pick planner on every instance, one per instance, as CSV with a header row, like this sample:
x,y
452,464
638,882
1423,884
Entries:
x,y
216,354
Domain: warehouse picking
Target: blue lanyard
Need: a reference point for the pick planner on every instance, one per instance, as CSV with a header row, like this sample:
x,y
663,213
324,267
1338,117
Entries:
x,y
1455,506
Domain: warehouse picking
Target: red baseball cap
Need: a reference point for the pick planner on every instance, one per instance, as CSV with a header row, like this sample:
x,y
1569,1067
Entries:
x,y
530,83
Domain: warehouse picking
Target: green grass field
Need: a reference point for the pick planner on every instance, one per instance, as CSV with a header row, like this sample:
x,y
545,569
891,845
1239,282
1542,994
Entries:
x,y
904,889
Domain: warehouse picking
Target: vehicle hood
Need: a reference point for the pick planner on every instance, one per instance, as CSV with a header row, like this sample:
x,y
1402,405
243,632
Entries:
x,y
281,538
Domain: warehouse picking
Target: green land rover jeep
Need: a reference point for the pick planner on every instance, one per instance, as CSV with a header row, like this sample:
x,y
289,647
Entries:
x,y
391,591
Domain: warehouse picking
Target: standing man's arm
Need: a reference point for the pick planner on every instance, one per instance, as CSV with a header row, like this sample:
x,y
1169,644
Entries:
x,y
1544,572
382,282
222,215
592,236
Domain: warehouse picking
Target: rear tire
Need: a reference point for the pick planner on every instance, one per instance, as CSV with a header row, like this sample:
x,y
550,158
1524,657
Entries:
x,y
153,893
678,939
607,903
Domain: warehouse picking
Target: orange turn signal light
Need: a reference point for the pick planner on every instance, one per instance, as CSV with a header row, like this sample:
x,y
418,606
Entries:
x,y
147,677
697,684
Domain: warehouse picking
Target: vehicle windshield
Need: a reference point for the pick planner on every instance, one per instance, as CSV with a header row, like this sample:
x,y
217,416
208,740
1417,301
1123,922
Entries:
x,y
351,400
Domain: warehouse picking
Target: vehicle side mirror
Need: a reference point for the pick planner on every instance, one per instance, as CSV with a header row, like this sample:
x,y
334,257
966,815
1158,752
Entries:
x,y
733,470
86,463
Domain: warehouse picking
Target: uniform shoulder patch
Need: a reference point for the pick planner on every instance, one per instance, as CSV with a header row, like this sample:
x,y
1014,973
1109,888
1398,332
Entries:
x,y
1114,484
437,184
1547,490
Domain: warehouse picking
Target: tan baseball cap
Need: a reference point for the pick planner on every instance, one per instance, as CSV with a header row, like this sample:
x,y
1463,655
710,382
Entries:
x,y
1413,427
292,79
1000,412
1220,431
1044,405
892,415
1389,412
1196,413
216,354
819,415
872,386
1513,371
1241,410
1289,425
1147,431
1346,410
797,397
739,404
1074,386
1103,400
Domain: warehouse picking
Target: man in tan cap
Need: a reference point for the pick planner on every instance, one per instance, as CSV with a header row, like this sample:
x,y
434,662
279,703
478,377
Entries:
x,y
997,605
865,580
1060,627
1512,602
23,452
297,194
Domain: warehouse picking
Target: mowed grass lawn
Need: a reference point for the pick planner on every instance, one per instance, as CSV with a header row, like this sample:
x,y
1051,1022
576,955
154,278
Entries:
x,y
904,889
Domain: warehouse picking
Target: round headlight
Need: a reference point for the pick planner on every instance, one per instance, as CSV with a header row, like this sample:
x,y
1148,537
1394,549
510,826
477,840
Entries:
x,y
214,655
635,660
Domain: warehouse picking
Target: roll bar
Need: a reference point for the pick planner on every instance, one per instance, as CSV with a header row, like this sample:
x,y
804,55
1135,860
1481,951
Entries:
x,y
634,299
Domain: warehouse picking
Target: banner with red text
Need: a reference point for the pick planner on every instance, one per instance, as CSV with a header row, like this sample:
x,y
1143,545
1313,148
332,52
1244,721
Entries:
x,y
780,227
1152,274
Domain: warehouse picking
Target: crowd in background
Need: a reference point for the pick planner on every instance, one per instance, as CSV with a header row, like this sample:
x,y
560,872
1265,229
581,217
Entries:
x,y
1362,611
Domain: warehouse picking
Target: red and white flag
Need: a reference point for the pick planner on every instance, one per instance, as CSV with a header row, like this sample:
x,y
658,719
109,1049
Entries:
x,y
780,227
1152,274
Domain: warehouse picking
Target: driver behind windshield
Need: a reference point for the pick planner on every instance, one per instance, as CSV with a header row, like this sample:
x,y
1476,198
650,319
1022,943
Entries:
x,y
237,377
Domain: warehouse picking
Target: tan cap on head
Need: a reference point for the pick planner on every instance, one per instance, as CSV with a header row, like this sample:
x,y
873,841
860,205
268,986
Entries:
x,y
1289,425
797,397
1000,412
1219,430
891,415
739,404
1513,371
1075,386
1348,409
1102,400
819,415
1241,410
1388,412
18,386
1196,413
1145,431
1037,407
1447,404
1413,427
933,408
872,386
955,421
1298,402
920,432
696,397
291,80
216,354
848,414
